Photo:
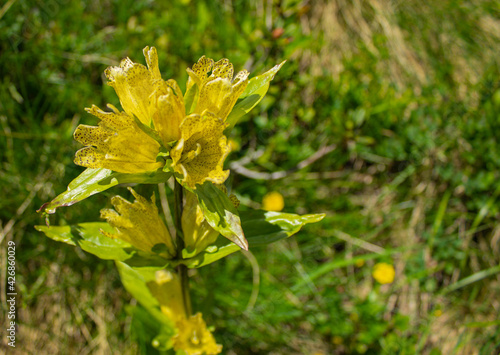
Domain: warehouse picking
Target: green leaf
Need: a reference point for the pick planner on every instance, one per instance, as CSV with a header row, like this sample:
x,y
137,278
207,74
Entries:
x,y
147,330
265,227
220,213
260,228
93,181
88,236
255,91
135,282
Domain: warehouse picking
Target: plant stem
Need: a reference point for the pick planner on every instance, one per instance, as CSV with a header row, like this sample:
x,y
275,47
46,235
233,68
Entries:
x,y
181,269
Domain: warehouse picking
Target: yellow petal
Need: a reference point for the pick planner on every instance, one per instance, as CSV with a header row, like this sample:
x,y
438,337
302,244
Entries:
x,y
238,86
223,69
134,84
200,153
198,74
168,110
194,338
117,144
139,224
152,60
212,95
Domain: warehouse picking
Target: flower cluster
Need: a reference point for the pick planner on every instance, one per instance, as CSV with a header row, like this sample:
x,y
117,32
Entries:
x,y
161,128
157,129
159,133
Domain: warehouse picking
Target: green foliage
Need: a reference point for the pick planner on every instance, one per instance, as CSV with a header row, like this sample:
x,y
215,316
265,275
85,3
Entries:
x,y
260,228
255,91
221,213
93,181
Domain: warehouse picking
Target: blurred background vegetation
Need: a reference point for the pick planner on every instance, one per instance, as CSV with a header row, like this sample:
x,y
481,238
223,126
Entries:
x,y
400,102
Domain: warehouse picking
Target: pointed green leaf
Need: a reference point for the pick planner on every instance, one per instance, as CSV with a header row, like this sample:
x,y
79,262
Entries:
x,y
255,91
260,228
266,227
220,213
88,236
93,181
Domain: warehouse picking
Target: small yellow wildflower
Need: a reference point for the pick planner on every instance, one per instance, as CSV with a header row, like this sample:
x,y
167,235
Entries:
x,y
139,224
167,289
383,273
200,153
218,92
273,201
117,144
194,338
437,313
197,232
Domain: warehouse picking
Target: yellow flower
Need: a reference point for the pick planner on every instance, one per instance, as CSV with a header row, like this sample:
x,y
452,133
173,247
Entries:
x,y
167,110
218,92
384,273
144,94
117,144
134,84
194,338
200,153
273,201
139,224
167,289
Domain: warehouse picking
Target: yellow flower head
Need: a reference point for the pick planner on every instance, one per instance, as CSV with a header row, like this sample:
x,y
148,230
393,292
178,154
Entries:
x,y
167,289
273,201
117,144
200,153
139,224
383,273
194,338
197,232
144,94
218,91
134,84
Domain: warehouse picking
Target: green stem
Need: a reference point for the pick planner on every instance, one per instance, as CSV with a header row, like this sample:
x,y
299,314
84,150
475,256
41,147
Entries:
x,y
181,269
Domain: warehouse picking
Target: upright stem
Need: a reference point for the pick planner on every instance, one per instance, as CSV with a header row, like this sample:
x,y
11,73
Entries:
x,y
181,269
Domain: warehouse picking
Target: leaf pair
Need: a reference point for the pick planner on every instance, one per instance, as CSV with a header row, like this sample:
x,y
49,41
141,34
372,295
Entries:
x,y
260,228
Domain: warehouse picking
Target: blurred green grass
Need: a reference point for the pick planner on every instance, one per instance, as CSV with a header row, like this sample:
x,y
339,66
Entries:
x,y
409,95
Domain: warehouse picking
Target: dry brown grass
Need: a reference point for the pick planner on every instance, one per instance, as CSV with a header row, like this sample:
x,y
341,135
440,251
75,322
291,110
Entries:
x,y
406,49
